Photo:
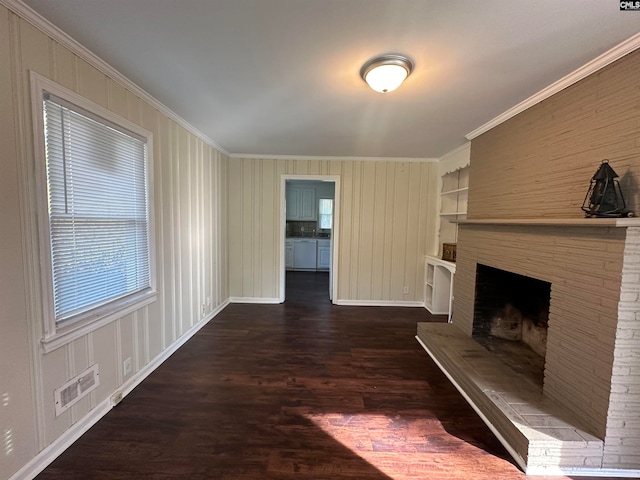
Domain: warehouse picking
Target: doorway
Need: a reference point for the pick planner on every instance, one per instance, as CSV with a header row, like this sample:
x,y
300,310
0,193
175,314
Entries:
x,y
306,223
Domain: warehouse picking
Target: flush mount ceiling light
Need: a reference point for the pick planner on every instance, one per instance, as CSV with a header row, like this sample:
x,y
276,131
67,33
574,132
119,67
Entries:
x,y
386,73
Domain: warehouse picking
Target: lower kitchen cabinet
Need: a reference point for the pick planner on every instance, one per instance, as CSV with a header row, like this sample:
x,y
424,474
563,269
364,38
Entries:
x,y
288,254
324,255
308,254
304,253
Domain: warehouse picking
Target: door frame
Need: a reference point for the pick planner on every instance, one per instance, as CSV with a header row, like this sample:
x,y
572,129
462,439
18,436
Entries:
x,y
335,231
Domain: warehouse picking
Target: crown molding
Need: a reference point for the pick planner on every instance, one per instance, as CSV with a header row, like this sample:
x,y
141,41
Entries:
x,y
334,158
464,146
610,56
42,24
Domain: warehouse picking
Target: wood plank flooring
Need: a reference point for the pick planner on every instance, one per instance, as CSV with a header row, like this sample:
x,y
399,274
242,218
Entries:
x,y
304,390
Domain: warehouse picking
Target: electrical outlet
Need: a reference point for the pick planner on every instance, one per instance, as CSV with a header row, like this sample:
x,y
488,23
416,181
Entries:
x,y
208,301
405,290
203,309
126,366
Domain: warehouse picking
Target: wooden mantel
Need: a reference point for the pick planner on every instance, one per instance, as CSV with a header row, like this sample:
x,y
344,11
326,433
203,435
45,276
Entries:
x,y
568,222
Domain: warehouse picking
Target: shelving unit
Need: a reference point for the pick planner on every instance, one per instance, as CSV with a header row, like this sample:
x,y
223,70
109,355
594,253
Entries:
x,y
438,285
454,197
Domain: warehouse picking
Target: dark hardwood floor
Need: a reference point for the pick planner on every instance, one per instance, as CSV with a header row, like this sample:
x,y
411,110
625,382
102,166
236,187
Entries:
x,y
303,390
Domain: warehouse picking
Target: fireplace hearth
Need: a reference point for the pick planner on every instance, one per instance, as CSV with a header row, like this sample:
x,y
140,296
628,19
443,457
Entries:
x,y
575,419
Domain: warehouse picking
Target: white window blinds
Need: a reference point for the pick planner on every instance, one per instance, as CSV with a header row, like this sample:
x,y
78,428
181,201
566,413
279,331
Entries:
x,y
98,206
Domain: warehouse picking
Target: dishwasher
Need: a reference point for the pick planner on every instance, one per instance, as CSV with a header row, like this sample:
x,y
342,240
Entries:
x,y
304,254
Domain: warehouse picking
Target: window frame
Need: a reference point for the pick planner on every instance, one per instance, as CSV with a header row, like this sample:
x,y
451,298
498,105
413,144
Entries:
x,y
57,334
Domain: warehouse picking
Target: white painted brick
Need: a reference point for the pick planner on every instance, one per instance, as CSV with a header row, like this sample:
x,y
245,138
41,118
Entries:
x,y
628,297
632,442
618,370
619,389
628,313
630,457
610,460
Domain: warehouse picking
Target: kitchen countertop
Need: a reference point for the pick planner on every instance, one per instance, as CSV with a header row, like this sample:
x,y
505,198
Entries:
x,y
307,238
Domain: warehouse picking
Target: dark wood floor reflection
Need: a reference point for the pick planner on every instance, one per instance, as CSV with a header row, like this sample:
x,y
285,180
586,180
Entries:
x,y
303,390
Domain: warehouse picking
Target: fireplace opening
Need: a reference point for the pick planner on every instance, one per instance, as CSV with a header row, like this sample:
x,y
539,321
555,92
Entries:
x,y
511,314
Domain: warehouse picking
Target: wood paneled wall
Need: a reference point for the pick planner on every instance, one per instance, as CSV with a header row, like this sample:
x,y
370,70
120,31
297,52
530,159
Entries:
x,y
190,234
387,224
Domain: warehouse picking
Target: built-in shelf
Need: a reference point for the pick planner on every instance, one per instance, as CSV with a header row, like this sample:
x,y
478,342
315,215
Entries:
x,y
438,285
453,214
457,190
567,222
454,196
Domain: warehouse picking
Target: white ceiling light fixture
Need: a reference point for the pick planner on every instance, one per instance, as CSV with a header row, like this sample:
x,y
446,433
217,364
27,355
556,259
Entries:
x,y
386,73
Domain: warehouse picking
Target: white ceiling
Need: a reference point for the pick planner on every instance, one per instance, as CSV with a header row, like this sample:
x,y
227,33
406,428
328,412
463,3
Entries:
x,y
281,77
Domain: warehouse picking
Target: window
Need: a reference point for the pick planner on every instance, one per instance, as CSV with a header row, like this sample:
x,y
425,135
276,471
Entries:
x,y
326,213
97,200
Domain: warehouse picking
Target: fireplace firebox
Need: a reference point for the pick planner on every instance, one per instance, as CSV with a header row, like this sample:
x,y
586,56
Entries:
x,y
511,314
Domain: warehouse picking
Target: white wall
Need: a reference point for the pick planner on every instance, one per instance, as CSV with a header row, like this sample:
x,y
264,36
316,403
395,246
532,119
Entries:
x,y
190,193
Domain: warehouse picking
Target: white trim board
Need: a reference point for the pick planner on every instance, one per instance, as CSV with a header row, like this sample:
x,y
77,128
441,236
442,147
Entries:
x,y
335,231
258,300
334,158
379,303
610,56
43,459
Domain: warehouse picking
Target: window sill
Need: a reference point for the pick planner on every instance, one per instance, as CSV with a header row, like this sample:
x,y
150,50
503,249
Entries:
x,y
97,319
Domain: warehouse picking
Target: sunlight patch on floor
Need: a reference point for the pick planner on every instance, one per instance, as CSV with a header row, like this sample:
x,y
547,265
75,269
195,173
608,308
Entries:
x,y
400,447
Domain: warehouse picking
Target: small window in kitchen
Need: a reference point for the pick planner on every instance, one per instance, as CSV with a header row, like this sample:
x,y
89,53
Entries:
x,y
326,213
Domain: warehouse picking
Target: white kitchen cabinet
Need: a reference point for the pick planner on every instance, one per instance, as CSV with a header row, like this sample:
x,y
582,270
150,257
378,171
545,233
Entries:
x,y
304,254
301,203
288,254
324,255
293,201
308,208
438,285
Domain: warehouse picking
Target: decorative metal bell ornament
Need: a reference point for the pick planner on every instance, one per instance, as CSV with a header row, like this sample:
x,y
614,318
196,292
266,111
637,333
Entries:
x,y
604,197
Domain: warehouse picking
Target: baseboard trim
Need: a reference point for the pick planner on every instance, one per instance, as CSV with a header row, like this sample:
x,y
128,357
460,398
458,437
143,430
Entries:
x,y
43,459
378,303
38,463
254,300
584,472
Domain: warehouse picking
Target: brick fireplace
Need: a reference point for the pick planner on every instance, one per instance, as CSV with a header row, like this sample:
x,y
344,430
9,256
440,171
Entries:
x,y
591,386
529,173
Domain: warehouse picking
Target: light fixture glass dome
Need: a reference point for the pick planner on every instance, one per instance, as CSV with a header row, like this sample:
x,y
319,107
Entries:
x,y
385,74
